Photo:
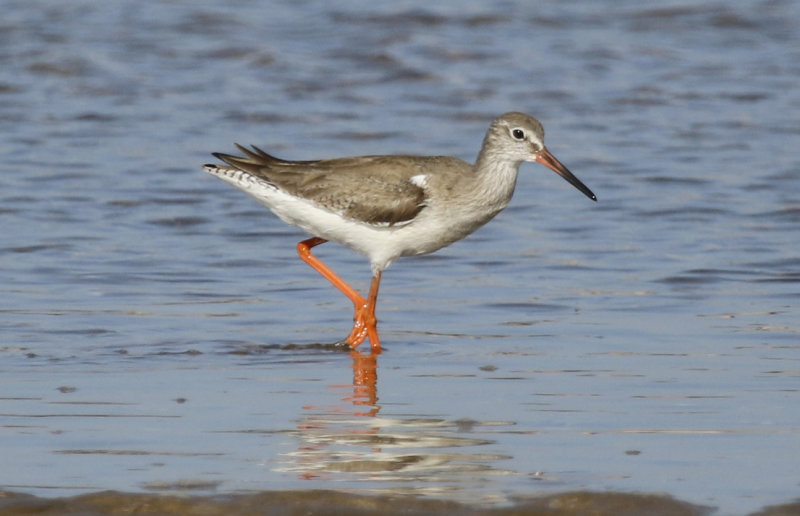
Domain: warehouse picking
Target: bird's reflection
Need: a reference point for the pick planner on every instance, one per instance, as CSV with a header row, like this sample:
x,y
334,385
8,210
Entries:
x,y
352,441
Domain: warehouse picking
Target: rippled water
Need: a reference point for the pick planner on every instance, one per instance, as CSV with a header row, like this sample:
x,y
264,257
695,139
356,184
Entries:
x,y
159,334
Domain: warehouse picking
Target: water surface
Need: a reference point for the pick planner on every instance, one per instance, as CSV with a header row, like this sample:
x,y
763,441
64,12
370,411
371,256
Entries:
x,y
158,334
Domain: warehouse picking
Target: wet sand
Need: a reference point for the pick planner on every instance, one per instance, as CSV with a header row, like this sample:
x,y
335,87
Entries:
x,y
331,502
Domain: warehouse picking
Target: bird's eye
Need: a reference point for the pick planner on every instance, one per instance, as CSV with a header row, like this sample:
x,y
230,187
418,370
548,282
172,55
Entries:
x,y
518,134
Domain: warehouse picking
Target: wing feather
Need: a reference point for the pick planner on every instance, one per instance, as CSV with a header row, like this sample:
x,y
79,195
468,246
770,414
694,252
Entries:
x,y
372,189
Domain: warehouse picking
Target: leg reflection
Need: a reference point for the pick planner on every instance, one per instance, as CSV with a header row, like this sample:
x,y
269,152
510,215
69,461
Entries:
x,y
365,381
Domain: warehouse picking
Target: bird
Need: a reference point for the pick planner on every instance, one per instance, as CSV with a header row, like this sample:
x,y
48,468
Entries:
x,y
390,206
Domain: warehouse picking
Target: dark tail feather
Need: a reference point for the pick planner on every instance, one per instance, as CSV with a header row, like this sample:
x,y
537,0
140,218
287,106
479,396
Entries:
x,y
256,157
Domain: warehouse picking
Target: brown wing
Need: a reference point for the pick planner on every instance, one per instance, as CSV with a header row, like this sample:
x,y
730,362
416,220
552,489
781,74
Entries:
x,y
373,189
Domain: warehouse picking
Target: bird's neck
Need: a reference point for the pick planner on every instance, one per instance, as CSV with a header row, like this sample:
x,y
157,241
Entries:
x,y
495,178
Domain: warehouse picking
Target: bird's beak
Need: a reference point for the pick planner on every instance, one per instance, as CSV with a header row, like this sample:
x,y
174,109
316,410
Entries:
x,y
545,158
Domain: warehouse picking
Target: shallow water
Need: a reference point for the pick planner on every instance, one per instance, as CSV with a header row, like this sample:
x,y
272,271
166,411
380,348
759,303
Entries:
x,y
158,333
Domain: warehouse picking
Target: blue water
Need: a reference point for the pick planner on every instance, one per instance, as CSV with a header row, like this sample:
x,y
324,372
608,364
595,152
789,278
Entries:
x,y
157,331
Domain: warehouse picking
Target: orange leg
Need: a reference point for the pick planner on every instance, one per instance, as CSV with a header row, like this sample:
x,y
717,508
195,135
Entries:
x,y
364,321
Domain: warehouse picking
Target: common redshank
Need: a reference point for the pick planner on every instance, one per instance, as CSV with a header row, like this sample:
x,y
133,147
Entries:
x,y
386,207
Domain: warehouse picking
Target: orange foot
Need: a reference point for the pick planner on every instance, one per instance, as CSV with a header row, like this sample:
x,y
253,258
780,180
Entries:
x,y
365,325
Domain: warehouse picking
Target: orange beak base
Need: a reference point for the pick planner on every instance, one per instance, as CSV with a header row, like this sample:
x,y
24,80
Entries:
x,y
545,158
